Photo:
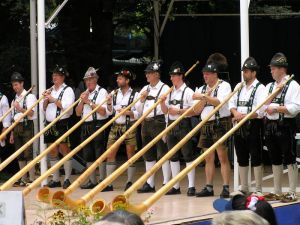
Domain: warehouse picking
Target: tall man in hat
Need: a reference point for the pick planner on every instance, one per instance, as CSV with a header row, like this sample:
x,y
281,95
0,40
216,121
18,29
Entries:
x,y
154,124
90,99
24,130
280,128
211,95
124,96
248,139
175,104
6,122
58,98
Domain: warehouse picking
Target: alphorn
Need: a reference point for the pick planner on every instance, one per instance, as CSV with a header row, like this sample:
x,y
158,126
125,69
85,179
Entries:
x,y
8,184
18,100
25,146
44,193
98,203
60,197
141,208
9,129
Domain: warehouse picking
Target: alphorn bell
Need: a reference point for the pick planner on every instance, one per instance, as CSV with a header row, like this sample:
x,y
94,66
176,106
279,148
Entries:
x,y
60,196
8,184
18,100
25,146
44,193
168,155
139,209
9,129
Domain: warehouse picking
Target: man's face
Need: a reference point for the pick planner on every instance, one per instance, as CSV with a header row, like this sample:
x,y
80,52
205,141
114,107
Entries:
x,y
248,74
277,72
152,76
17,86
209,77
176,79
122,81
58,78
91,83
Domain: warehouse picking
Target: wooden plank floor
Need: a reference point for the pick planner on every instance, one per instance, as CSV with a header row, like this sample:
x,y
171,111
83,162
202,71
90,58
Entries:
x,y
168,210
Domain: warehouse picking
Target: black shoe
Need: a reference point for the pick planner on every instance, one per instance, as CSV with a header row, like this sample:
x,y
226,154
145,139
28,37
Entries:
x,y
128,185
67,183
146,189
108,188
88,185
174,191
205,193
191,191
54,184
224,193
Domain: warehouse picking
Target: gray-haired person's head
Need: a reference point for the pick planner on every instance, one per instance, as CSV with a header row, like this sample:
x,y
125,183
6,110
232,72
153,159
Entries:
x,y
239,217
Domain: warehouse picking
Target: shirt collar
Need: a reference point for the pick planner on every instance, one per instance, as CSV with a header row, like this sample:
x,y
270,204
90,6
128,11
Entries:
x,y
254,83
60,87
22,94
157,86
96,89
181,88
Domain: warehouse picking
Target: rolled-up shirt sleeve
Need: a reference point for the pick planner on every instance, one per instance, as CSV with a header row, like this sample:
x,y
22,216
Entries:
x,y
140,105
4,108
136,114
224,91
232,103
68,98
292,101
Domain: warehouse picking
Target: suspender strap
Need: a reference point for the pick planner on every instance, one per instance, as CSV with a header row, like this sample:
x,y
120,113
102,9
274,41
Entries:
x,y
248,103
130,100
94,100
25,119
58,110
176,102
156,98
280,100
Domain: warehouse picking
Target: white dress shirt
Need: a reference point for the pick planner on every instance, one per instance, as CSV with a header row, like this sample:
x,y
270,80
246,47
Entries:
x,y
223,91
176,94
245,94
4,107
67,100
122,102
291,100
30,100
100,98
142,107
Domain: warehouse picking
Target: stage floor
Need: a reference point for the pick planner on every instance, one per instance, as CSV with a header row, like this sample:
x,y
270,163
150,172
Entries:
x,y
168,210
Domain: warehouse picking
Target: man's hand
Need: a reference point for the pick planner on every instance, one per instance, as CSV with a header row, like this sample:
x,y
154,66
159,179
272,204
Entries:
x,y
144,95
17,106
271,110
198,96
173,111
109,99
237,116
85,97
163,98
11,138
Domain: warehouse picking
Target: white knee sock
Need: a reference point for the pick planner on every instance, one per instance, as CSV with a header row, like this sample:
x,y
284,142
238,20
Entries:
x,y
293,176
277,172
150,180
68,169
243,171
56,173
191,176
22,164
130,173
166,169
110,168
102,171
31,172
175,168
258,171
93,174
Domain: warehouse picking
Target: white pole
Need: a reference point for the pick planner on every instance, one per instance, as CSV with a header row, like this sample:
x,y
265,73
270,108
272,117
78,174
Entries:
x,y
42,74
33,60
244,21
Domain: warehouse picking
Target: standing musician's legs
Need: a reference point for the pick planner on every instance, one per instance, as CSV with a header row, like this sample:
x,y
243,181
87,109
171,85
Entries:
x,y
98,147
242,153
130,149
64,150
288,145
209,167
28,153
225,169
53,157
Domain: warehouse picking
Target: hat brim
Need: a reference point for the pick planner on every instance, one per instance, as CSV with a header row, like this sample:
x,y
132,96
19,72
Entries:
x,y
222,205
90,77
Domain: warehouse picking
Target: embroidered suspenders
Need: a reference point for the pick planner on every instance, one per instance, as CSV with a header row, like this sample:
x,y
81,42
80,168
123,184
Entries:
x,y
149,97
248,103
58,110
